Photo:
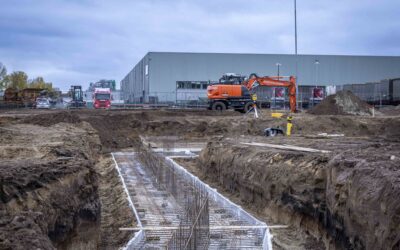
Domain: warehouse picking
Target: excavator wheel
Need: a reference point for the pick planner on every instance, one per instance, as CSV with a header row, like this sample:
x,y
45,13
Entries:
x,y
218,106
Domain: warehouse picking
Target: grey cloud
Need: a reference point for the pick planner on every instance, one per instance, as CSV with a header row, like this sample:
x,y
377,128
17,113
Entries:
x,y
81,41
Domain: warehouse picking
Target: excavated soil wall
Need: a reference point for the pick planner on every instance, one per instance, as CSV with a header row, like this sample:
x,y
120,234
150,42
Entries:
x,y
115,210
56,188
353,197
48,186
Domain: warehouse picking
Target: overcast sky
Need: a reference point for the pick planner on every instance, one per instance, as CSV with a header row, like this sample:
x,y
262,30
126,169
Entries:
x,y
81,41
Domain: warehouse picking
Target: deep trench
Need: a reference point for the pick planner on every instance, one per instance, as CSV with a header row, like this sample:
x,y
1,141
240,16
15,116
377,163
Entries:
x,y
312,194
163,191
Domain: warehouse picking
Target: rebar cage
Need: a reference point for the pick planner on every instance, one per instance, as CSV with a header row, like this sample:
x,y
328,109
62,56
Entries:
x,y
205,219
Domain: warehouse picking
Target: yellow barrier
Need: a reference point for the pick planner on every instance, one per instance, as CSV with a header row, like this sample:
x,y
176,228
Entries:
x,y
277,115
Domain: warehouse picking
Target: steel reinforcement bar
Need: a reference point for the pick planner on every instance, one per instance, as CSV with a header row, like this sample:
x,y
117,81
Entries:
x,y
193,231
202,211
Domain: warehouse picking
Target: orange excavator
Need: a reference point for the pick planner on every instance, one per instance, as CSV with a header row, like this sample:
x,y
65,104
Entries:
x,y
235,91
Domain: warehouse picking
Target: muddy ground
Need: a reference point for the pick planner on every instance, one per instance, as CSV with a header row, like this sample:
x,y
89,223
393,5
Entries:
x,y
347,198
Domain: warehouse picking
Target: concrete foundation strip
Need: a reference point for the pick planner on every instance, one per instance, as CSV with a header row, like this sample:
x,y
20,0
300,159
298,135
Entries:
x,y
176,150
184,157
287,147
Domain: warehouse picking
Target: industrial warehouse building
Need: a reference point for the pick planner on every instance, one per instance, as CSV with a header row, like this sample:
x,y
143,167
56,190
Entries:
x,y
181,77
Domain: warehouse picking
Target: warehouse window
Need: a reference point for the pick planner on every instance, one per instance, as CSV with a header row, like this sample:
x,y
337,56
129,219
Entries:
x,y
191,85
180,85
196,85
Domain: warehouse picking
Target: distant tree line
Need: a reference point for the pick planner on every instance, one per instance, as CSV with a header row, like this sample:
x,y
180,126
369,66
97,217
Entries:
x,y
19,80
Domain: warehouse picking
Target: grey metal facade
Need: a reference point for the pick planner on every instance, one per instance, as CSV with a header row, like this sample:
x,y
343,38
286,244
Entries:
x,y
156,75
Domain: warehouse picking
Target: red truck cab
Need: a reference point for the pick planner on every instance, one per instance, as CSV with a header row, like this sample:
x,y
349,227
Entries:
x,y
102,98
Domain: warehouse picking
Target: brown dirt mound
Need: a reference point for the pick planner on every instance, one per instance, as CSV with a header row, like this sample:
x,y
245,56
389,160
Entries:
x,y
342,103
49,119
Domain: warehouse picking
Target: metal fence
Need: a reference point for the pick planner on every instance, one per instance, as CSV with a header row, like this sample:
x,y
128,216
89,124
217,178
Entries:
x,y
385,92
198,99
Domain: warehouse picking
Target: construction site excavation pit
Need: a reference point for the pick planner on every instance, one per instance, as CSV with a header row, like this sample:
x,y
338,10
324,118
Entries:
x,y
156,179
175,210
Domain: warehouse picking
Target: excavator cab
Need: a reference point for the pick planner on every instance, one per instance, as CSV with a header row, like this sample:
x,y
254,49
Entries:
x,y
231,79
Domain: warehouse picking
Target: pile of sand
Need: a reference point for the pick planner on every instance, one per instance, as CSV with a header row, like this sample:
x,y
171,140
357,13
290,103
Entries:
x,y
342,103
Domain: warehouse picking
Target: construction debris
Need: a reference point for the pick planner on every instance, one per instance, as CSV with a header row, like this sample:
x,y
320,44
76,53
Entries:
x,y
273,131
286,147
330,135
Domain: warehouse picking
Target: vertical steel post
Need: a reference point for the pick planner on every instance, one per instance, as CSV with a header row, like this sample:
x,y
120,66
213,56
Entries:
x,y
295,27
295,51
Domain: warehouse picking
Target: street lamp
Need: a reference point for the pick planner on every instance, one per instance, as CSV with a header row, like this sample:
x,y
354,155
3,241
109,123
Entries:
x,y
295,27
278,65
316,72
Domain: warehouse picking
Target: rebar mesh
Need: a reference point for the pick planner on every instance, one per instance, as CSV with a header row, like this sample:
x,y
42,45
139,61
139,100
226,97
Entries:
x,y
183,212
193,231
229,214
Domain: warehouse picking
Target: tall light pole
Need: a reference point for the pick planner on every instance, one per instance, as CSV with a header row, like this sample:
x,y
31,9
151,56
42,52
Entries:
x,y
316,72
295,51
278,65
295,27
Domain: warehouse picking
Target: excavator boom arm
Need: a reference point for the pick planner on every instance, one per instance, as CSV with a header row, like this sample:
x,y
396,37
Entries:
x,y
275,82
